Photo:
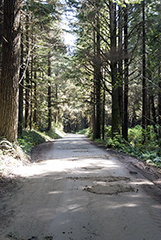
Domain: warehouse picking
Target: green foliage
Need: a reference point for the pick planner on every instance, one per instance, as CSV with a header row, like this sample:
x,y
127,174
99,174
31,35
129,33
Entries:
x,y
52,134
89,133
149,151
83,131
30,139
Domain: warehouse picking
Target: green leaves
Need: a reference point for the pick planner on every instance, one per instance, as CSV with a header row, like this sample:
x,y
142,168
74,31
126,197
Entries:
x,y
30,139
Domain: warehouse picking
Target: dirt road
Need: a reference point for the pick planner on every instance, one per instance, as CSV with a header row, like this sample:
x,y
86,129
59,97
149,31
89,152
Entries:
x,y
77,191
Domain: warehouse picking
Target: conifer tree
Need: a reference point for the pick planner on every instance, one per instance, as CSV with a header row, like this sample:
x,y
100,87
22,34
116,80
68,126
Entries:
x,y
9,89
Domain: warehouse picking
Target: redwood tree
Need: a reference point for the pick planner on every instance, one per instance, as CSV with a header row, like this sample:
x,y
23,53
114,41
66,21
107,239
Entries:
x,y
115,86
126,73
9,88
144,97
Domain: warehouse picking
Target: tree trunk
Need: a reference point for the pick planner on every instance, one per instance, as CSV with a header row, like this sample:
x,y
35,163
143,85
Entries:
x,y
153,111
31,91
31,96
144,97
94,111
1,19
49,93
31,85
103,115
126,73
98,77
120,64
35,99
1,28
56,105
159,103
11,52
115,85
20,115
27,75
94,86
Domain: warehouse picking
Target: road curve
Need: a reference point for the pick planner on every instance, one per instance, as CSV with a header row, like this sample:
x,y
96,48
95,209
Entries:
x,y
77,191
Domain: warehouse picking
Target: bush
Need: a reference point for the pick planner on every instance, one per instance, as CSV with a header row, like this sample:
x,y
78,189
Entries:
x,y
149,151
30,139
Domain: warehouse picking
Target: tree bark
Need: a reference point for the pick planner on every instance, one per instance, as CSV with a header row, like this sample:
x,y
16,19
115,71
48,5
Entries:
x,y
1,28
144,97
20,115
159,102
98,76
35,99
11,52
115,85
49,93
120,63
103,115
94,86
94,111
153,111
56,104
27,75
126,73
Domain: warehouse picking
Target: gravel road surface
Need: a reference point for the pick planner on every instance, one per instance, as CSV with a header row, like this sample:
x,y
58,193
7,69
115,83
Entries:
x,y
78,191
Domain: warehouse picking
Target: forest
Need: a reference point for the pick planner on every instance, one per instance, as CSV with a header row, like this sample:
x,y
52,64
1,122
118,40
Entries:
x,y
107,85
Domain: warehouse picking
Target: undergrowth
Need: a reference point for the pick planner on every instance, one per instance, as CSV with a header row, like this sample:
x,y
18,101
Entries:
x,y
150,151
14,155
30,138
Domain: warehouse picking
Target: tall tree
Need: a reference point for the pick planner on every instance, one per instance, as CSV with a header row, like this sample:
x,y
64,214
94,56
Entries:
x,y
115,85
144,92
1,25
97,74
9,88
49,92
27,73
20,112
120,62
126,73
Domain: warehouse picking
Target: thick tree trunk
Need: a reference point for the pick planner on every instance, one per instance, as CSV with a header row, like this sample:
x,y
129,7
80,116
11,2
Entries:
x,y
27,99
20,115
1,28
11,52
144,94
159,103
94,86
1,19
31,91
98,78
114,78
126,73
120,63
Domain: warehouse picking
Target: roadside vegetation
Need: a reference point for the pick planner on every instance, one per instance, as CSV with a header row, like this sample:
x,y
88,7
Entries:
x,y
149,152
30,138
15,155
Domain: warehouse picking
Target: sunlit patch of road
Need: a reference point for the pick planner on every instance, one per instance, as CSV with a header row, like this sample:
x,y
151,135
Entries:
x,y
75,190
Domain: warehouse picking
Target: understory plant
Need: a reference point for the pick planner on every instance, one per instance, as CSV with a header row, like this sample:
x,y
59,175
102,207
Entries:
x,y
148,151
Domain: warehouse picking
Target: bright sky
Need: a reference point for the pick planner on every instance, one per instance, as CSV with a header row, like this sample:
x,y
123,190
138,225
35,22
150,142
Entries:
x,y
67,18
